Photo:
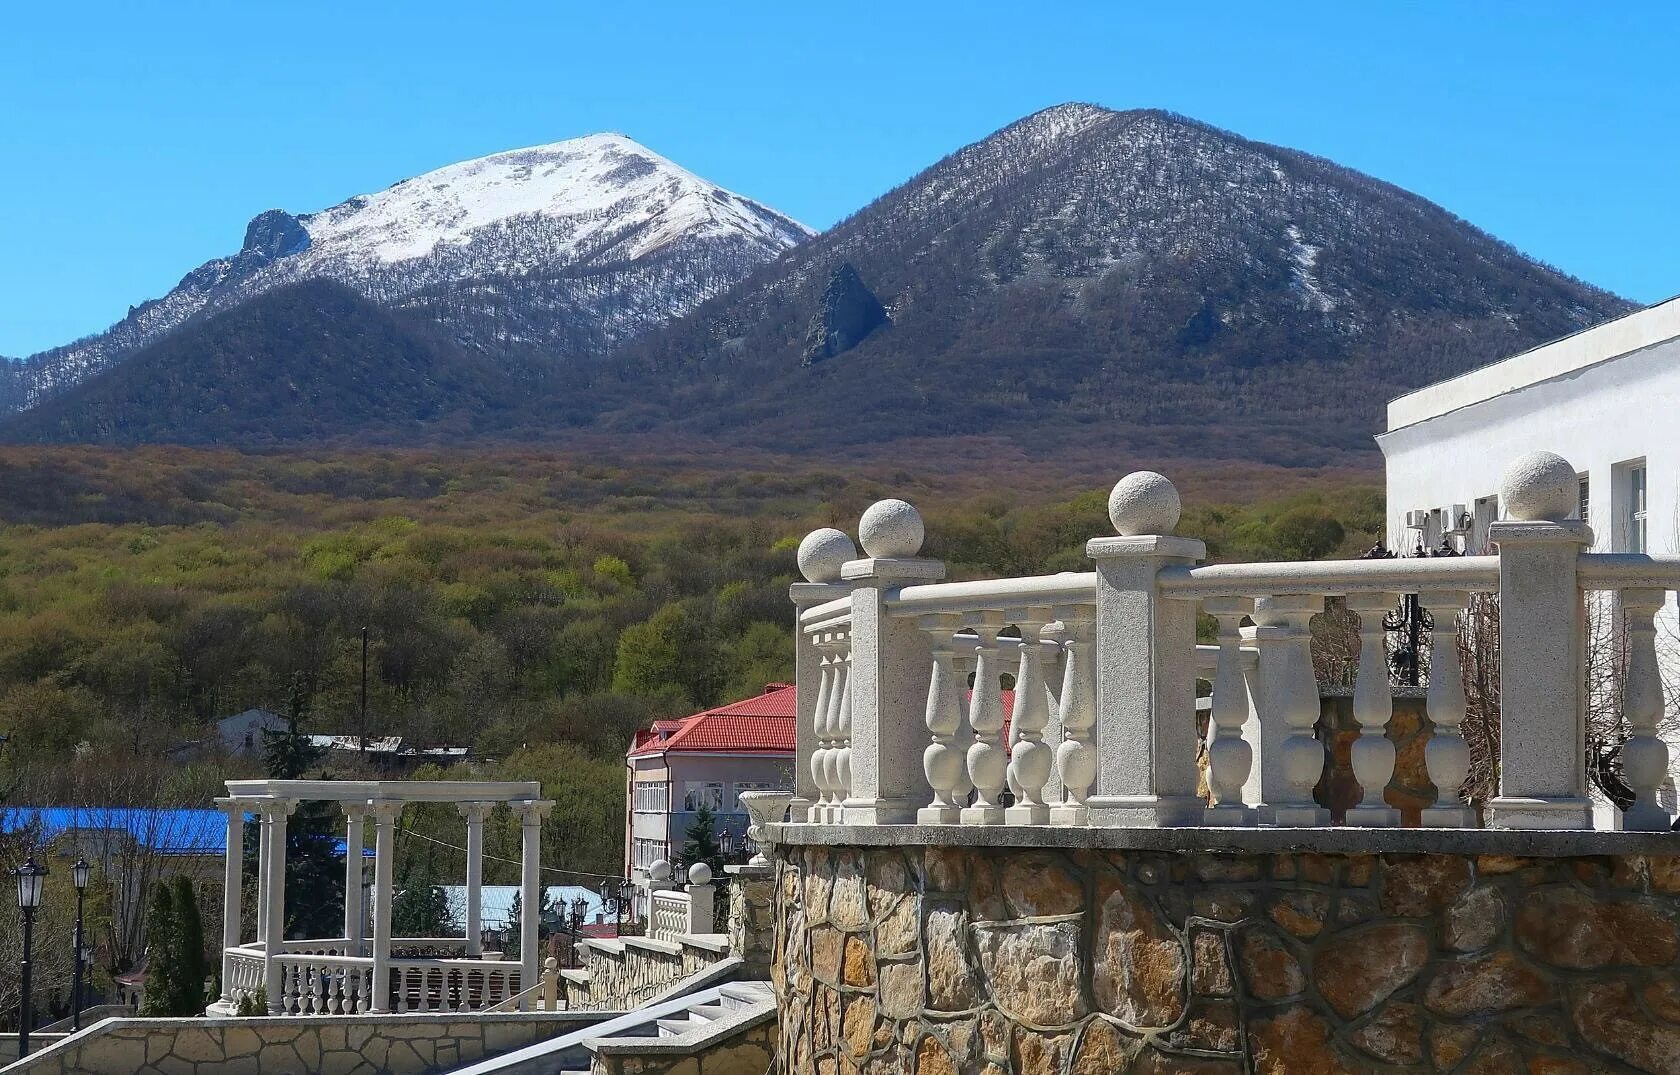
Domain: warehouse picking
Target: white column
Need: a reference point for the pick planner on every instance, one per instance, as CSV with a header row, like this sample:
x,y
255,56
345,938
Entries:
x,y
1146,663
1289,708
889,664
385,813
821,556
1542,740
354,841
274,897
1644,755
1373,707
1076,757
1230,756
262,874
1031,759
233,881
531,813
475,813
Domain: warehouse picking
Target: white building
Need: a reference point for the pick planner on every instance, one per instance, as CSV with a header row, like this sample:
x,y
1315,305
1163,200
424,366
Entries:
x,y
1607,399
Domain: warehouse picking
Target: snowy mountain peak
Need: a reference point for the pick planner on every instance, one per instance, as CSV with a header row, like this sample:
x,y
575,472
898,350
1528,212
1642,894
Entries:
x,y
541,253
588,177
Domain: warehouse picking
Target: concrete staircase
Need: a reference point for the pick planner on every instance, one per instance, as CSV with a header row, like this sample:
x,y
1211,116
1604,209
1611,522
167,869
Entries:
x,y
666,1031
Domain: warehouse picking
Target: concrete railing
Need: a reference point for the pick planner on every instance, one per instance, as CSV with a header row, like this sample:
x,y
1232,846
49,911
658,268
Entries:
x,y
674,913
903,718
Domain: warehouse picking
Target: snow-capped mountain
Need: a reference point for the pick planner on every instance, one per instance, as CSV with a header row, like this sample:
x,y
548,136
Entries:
x,y
545,253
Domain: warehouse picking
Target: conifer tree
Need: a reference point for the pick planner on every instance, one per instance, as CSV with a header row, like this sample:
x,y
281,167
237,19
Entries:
x,y
187,969
702,843
162,944
314,876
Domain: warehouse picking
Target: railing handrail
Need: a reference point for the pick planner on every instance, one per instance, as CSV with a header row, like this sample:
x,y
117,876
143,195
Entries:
x,y
1331,578
1627,571
1064,588
304,958
446,962
826,610
438,941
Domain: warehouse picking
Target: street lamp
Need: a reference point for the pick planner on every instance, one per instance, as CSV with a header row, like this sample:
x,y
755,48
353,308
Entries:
x,y
31,877
79,873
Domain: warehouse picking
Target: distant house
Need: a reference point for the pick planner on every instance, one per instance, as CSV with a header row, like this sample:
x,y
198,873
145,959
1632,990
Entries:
x,y
388,751
242,733
708,759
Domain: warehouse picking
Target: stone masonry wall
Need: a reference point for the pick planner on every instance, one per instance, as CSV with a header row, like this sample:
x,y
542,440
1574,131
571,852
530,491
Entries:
x,y
631,971
752,918
746,1053
1009,961
306,1045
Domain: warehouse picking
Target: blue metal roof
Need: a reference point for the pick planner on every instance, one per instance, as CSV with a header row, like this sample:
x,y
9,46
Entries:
x,y
168,831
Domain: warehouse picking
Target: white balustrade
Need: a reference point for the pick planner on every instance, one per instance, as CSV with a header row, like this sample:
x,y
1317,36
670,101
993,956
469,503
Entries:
x,y
452,985
1105,669
313,984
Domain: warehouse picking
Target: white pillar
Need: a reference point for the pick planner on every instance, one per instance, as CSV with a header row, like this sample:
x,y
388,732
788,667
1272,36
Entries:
x,y
890,657
531,813
385,813
355,841
233,881
1542,740
262,875
1146,663
274,897
475,813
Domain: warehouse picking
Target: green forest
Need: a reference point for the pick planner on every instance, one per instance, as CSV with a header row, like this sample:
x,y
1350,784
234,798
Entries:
x,y
537,608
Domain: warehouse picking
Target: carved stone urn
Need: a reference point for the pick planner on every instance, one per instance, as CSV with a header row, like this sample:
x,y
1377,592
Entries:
x,y
765,808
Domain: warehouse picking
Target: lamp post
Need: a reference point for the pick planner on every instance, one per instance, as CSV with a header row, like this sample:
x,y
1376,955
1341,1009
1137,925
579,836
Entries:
x,y
30,877
79,873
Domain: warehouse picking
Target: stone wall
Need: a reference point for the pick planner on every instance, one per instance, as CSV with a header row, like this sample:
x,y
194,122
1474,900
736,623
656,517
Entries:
x,y
752,918
306,1045
630,971
746,1053
1030,961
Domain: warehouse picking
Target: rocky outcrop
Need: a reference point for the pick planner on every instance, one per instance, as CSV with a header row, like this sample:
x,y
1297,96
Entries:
x,y
848,313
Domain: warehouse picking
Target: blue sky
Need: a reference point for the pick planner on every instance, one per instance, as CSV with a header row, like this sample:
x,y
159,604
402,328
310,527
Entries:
x,y
137,139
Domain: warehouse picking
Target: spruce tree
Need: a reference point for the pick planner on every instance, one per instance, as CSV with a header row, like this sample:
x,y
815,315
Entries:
x,y
702,844
188,969
162,944
314,875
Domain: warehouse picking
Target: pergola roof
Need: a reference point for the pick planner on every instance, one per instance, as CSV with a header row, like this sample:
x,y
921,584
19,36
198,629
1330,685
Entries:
x,y
408,791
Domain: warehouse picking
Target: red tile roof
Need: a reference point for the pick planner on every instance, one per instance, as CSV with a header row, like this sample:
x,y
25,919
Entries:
x,y
762,724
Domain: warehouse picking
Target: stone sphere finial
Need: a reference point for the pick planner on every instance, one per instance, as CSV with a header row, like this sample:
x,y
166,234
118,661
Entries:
x,y
891,530
660,870
699,874
1539,486
1143,502
823,553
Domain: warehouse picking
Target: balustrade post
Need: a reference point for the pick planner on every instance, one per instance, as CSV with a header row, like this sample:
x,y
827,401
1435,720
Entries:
x,y
822,554
1447,755
530,813
1542,649
1146,674
1373,708
823,723
1076,708
943,762
233,884
1644,755
988,765
475,814
1230,756
890,657
1031,759
1292,756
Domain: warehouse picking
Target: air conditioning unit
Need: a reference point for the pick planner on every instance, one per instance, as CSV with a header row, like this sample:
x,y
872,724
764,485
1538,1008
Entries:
x,y
1460,519
1417,519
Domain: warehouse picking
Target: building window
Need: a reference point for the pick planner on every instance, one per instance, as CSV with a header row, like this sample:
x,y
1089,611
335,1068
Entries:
x,y
645,852
1632,488
1486,514
749,785
653,797
1583,500
708,793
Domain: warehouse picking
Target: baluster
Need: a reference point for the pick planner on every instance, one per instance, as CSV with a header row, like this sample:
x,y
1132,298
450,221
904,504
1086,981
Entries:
x,y
832,798
1230,756
962,662
1373,707
1447,755
988,766
843,734
818,810
942,761
1031,759
1289,691
1076,757
364,989
1644,755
